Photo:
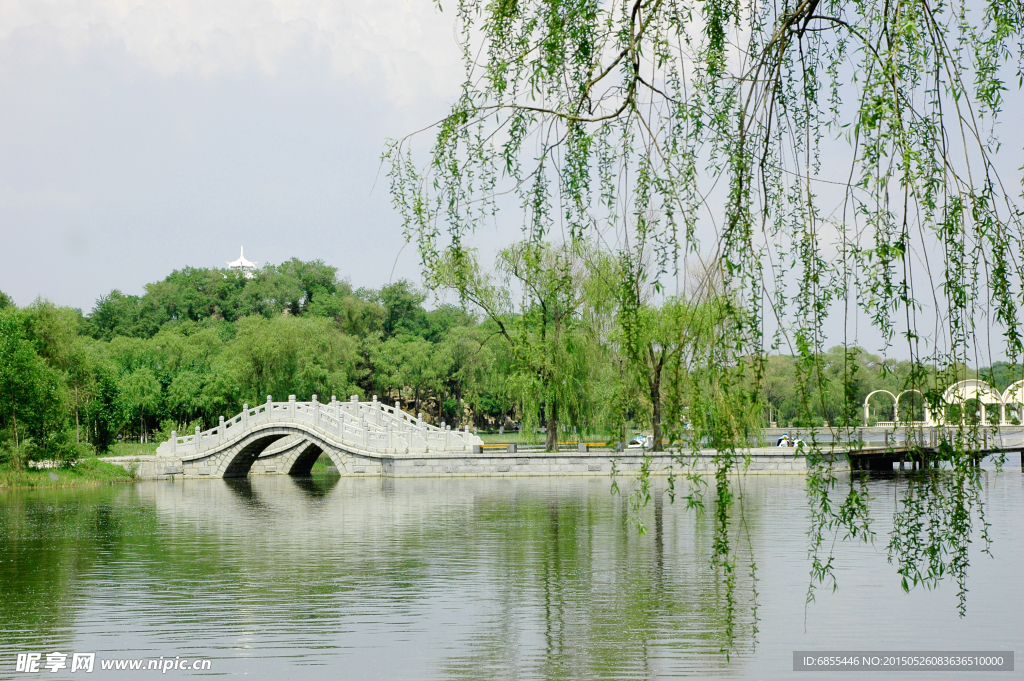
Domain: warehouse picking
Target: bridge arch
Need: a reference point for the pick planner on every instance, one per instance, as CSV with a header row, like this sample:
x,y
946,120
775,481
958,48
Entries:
x,y
972,389
908,417
237,458
292,455
305,457
1013,399
867,406
244,455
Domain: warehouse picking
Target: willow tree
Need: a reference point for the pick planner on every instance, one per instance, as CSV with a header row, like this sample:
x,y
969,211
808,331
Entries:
x,y
661,342
838,159
534,301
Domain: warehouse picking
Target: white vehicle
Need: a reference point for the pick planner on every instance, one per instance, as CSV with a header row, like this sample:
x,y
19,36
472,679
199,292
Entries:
x,y
787,441
640,442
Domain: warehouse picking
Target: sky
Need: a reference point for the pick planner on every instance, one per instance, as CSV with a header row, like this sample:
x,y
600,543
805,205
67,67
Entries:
x,y
142,136
138,137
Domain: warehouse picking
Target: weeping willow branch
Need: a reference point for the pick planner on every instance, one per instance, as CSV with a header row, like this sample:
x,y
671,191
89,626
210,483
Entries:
x,y
832,160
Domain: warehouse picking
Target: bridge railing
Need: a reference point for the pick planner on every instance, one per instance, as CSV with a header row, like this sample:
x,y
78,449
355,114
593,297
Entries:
x,y
371,426
900,424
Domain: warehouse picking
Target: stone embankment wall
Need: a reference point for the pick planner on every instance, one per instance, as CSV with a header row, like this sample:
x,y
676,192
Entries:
x,y
591,463
767,461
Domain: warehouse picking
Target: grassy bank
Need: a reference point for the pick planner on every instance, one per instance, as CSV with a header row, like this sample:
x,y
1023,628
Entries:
x,y
513,437
323,465
132,449
88,471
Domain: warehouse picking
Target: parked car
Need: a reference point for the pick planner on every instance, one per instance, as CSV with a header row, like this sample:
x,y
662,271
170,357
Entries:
x,y
640,442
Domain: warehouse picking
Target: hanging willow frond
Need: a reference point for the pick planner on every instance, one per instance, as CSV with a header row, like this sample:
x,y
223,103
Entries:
x,y
836,162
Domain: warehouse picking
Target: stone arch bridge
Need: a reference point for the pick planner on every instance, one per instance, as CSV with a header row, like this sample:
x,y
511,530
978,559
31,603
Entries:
x,y
288,437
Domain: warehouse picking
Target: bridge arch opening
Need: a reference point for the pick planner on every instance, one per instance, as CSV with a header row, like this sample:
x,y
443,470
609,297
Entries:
x,y
295,454
890,413
1013,403
911,407
973,401
308,454
245,457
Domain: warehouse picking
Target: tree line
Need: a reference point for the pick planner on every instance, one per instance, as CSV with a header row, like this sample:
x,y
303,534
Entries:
x,y
544,340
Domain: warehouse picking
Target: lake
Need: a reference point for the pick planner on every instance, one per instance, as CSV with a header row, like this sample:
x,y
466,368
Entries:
x,y
526,578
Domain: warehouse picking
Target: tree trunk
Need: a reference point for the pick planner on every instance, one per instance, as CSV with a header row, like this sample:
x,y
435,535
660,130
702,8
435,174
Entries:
x,y
655,386
551,441
657,445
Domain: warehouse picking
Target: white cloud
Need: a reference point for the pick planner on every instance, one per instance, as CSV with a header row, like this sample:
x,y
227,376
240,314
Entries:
x,y
405,45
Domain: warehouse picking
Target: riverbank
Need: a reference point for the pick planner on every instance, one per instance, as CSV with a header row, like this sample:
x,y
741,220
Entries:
x,y
88,471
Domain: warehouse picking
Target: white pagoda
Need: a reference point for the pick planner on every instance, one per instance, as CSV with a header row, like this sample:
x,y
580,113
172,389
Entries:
x,y
247,267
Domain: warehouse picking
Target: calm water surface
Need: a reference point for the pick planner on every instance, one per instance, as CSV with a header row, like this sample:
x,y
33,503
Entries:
x,y
328,578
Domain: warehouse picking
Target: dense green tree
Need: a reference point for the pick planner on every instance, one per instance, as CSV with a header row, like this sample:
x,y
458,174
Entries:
x,y
35,397
104,411
286,355
1002,374
140,396
463,358
412,364
24,378
443,320
117,314
354,313
403,309
657,337
313,280
200,294
196,294
55,332
185,396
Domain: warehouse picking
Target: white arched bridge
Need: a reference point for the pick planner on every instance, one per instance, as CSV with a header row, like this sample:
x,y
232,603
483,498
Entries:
x,y
288,437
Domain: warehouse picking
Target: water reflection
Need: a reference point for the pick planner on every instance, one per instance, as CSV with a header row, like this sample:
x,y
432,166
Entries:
x,y
316,486
461,578
243,490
